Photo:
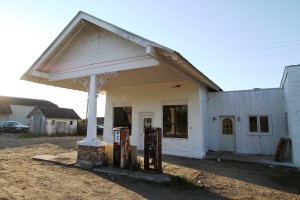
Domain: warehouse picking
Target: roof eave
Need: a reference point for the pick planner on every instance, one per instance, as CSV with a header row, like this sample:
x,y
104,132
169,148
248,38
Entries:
x,y
187,68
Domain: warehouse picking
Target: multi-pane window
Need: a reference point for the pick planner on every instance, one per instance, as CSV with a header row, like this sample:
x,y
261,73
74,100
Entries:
x,y
122,117
259,124
227,126
175,121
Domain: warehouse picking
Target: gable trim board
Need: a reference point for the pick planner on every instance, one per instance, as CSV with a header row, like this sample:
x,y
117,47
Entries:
x,y
146,74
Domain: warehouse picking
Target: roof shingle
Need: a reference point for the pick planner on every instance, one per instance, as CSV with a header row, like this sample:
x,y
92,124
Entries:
x,y
63,113
6,101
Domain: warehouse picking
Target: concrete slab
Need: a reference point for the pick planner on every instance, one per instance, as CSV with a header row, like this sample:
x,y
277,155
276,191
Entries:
x,y
250,158
65,159
69,159
140,175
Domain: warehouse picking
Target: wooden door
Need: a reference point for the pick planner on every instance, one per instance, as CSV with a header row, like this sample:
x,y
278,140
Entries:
x,y
227,134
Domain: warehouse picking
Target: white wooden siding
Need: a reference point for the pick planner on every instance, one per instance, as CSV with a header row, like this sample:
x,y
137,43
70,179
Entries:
x,y
203,95
97,46
4,117
150,98
19,113
62,126
241,104
291,87
37,124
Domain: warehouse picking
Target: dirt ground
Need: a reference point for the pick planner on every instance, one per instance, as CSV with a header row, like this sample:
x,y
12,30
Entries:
x,y
21,177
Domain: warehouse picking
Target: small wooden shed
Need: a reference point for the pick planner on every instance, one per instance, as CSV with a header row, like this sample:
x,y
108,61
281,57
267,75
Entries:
x,y
53,121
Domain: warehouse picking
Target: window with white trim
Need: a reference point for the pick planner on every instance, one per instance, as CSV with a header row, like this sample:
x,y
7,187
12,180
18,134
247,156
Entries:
x,y
175,121
259,124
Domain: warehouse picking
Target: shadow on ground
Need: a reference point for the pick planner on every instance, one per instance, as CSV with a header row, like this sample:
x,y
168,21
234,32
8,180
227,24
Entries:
x,y
269,176
151,190
282,179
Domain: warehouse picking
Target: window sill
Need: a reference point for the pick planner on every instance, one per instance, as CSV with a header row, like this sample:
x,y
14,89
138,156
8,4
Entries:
x,y
175,137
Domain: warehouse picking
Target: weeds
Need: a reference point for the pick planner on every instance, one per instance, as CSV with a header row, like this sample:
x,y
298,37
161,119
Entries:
x,y
178,181
183,183
136,166
105,159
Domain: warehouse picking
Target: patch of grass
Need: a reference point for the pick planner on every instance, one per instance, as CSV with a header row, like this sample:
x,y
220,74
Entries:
x,y
179,181
28,135
105,159
182,183
136,167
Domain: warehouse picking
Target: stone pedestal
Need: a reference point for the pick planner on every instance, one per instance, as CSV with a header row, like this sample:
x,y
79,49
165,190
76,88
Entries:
x,y
90,155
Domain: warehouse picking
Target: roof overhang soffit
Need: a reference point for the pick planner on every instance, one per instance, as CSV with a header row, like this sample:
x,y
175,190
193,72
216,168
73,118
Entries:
x,y
180,64
98,68
104,68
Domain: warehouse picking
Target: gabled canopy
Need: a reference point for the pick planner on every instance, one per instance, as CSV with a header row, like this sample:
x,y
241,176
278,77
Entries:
x,y
90,46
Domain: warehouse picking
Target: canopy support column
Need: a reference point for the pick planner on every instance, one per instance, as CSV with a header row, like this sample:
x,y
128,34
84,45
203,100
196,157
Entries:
x,y
91,151
91,135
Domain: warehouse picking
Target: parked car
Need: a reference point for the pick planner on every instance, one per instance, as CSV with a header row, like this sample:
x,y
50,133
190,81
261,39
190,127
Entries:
x,y
100,129
1,126
14,127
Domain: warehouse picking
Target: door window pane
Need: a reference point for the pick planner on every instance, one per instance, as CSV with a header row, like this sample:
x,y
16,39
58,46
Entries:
x,y
147,122
227,126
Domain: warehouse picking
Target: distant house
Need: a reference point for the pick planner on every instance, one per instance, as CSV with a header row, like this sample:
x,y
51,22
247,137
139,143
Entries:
x,y
53,121
16,108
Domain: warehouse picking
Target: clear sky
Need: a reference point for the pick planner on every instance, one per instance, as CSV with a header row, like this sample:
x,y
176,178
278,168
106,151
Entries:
x,y
238,44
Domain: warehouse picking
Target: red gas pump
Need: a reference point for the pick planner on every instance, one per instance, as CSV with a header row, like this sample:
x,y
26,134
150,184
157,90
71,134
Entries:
x,y
152,150
121,147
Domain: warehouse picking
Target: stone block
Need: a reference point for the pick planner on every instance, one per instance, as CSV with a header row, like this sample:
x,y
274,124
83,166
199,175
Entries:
x,y
91,155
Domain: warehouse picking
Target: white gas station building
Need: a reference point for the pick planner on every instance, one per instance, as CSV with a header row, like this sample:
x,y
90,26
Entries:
x,y
147,84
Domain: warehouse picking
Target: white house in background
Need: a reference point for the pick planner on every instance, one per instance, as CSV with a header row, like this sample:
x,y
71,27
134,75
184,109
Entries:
x,y
147,84
16,108
53,121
